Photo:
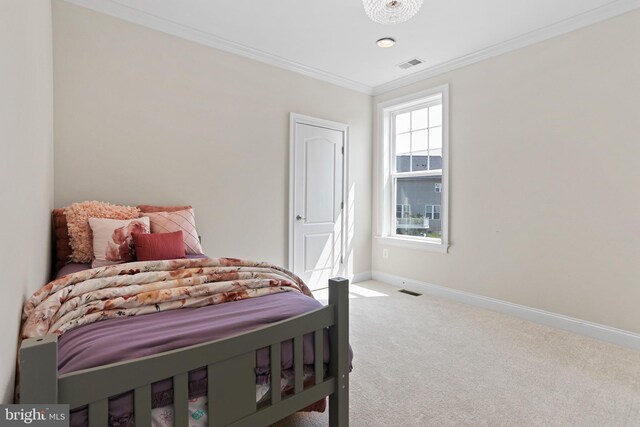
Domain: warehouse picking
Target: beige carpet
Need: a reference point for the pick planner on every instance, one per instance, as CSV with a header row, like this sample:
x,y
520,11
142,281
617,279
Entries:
x,y
424,361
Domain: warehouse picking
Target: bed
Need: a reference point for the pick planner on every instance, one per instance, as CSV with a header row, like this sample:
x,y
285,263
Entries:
x,y
157,369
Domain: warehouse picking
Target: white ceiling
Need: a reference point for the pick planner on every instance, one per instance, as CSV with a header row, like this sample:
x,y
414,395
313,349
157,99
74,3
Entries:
x,y
335,41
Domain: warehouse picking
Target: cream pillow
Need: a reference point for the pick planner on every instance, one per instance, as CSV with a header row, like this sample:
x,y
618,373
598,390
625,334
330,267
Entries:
x,y
113,240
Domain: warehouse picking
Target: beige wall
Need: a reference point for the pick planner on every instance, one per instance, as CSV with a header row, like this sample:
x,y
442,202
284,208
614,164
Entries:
x,y
545,169
26,165
145,117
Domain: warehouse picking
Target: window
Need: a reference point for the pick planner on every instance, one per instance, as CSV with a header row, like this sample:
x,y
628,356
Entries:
x,y
403,211
432,211
412,172
416,147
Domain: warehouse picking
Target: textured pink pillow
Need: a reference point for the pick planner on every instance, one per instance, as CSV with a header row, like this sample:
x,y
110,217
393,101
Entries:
x,y
185,221
80,237
113,240
155,247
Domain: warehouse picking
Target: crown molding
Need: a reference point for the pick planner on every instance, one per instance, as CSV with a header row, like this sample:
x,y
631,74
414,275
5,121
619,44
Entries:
x,y
615,8
129,14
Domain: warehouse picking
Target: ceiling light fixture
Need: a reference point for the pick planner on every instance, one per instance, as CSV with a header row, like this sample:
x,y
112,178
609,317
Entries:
x,y
386,42
391,11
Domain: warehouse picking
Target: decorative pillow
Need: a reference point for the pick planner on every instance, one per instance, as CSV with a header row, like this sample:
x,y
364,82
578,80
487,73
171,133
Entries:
x,y
151,208
80,236
61,236
185,221
113,240
156,247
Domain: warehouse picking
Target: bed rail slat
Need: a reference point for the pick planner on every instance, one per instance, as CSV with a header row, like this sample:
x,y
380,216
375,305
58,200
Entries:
x,y
288,406
99,413
318,357
142,406
181,400
231,389
298,365
211,386
275,373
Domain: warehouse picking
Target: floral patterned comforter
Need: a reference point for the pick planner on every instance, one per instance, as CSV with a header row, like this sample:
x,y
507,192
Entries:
x,y
146,287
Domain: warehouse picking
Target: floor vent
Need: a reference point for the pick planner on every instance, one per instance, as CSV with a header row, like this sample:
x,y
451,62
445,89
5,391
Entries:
x,y
413,294
411,63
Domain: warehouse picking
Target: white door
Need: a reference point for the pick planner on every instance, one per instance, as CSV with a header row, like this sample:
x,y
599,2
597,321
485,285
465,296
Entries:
x,y
317,205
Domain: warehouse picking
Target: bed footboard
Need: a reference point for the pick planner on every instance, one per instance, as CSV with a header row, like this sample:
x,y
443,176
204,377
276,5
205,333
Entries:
x,y
339,346
230,366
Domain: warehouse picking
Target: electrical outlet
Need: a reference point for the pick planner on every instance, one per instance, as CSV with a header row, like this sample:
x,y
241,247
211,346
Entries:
x,y
385,253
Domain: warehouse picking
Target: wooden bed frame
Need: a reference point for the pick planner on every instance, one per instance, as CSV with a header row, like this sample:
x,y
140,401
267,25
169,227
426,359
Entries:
x,y
230,366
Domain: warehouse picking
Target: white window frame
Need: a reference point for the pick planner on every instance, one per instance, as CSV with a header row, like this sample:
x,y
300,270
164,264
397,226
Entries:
x,y
385,199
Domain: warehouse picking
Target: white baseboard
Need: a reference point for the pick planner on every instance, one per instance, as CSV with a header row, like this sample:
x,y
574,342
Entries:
x,y
593,330
360,277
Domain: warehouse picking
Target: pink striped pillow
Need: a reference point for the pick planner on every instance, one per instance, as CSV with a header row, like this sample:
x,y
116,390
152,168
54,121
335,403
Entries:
x,y
184,220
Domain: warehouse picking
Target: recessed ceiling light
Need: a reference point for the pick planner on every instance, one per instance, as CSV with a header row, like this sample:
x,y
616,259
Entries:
x,y
386,42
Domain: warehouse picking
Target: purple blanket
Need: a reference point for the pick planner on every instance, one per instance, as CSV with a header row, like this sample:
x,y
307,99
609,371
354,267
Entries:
x,y
128,338
132,337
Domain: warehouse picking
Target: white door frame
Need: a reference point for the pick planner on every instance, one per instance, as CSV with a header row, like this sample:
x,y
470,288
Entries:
x,y
313,121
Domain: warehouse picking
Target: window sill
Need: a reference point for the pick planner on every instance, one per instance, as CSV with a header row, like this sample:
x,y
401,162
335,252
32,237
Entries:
x,y
419,244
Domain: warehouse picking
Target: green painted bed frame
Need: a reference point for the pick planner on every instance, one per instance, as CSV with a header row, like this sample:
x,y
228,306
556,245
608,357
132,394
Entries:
x,y
230,366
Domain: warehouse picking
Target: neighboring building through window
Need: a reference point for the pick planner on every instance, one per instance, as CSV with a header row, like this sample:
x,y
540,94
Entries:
x,y
413,147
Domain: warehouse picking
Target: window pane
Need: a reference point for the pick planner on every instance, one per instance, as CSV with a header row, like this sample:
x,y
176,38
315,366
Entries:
x,y
419,119
435,148
435,160
419,163
419,143
403,164
418,207
435,115
435,137
403,152
419,151
403,144
403,123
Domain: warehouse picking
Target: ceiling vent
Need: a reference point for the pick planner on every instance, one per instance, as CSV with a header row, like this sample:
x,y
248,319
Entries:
x,y
410,63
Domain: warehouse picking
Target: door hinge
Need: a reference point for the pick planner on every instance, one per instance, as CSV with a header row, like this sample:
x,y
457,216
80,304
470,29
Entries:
x,y
341,259
341,205
343,149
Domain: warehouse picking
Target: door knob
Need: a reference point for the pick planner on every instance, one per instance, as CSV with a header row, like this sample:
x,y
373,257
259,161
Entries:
x,y
299,218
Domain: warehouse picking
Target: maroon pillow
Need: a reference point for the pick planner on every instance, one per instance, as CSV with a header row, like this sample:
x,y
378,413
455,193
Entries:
x,y
159,246
61,234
